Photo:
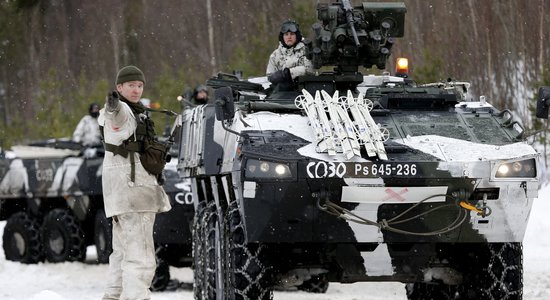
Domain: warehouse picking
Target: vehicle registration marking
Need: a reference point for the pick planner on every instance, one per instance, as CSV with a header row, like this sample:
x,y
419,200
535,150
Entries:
x,y
324,169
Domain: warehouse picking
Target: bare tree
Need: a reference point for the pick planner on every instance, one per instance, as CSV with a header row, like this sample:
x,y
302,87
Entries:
x,y
497,45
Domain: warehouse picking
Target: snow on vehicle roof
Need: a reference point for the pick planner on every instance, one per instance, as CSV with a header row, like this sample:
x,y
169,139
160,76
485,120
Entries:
x,y
22,151
368,81
450,149
260,80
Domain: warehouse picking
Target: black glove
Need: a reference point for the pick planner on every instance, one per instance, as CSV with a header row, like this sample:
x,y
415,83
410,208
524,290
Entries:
x,y
280,76
112,101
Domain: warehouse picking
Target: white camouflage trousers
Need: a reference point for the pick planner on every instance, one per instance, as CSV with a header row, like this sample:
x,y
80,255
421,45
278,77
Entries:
x,y
132,263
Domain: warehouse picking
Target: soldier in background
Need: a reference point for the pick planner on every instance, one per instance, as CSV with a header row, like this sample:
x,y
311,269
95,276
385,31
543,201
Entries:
x,y
87,131
191,98
289,60
200,95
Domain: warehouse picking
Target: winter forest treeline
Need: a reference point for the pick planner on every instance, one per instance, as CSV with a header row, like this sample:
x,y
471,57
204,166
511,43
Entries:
x,y
58,56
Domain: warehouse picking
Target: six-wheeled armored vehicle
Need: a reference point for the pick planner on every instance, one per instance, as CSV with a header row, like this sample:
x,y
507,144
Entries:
x,y
349,178
51,197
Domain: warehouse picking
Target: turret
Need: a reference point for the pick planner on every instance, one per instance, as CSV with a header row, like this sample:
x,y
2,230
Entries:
x,y
348,37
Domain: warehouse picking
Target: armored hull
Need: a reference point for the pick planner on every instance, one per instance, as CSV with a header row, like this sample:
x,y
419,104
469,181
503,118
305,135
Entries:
x,y
452,180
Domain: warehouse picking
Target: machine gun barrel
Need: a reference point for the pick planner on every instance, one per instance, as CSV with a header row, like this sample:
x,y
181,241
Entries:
x,y
349,37
348,9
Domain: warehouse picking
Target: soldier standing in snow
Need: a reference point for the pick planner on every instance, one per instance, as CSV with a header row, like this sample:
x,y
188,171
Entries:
x,y
87,130
289,60
132,196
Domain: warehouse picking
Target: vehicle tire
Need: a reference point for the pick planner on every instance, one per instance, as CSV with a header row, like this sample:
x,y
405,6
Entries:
x,y
213,251
198,252
317,284
62,237
504,272
103,237
490,271
162,276
247,274
21,239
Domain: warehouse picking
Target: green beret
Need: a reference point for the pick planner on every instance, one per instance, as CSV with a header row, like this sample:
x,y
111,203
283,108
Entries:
x,y
129,73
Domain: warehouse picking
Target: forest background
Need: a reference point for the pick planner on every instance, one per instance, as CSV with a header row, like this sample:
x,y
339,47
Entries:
x,y
58,56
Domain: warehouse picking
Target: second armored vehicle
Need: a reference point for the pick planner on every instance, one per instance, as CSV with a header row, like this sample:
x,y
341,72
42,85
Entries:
x,y
51,197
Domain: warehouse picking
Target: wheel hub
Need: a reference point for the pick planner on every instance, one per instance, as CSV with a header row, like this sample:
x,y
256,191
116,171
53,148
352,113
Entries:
x,y
19,243
101,240
56,242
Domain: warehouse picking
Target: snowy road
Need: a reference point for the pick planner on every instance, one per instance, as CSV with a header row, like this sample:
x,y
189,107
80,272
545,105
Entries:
x,y
68,281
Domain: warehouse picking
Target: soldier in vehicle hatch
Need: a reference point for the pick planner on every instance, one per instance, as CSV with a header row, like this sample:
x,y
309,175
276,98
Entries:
x,y
289,60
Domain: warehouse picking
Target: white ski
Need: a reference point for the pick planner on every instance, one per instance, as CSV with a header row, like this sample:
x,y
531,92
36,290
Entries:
x,y
361,125
342,110
328,138
376,136
344,139
307,103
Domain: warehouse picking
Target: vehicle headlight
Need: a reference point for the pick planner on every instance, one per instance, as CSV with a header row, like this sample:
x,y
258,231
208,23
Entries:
x,y
255,168
521,168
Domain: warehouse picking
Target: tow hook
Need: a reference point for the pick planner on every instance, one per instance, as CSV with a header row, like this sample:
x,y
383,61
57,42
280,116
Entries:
x,y
485,209
482,209
321,196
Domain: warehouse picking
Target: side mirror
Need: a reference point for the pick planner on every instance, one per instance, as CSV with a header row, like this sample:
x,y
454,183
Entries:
x,y
225,108
543,102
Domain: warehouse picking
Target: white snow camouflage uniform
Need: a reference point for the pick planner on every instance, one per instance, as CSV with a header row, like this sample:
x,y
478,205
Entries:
x,y
292,58
87,132
133,206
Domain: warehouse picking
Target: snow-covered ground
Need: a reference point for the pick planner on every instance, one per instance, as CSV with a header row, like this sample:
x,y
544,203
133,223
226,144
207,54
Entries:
x,y
67,281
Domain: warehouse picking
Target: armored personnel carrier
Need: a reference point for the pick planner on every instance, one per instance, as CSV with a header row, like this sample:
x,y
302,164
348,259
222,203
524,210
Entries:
x,y
354,178
51,197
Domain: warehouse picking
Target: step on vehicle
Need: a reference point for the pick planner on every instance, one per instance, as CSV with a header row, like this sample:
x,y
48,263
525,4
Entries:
x,y
352,177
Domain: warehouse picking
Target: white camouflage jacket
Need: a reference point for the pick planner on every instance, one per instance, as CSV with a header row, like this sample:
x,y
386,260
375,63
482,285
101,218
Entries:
x,y
87,132
292,58
120,194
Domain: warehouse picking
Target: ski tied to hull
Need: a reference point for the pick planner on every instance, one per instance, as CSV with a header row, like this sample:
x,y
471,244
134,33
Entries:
x,y
343,124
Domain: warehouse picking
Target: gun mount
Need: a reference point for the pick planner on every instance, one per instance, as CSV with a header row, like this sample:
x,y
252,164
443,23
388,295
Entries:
x,y
348,37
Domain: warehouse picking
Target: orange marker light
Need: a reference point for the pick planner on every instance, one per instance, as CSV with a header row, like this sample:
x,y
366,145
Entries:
x,y
402,67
